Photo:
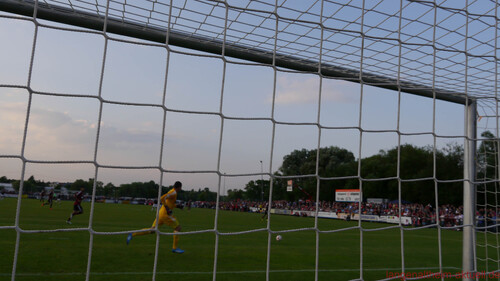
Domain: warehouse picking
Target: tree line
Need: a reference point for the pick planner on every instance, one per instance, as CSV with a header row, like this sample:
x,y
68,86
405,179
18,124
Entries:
x,y
380,175
109,190
418,173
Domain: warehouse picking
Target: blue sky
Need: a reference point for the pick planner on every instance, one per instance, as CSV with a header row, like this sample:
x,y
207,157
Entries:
x,y
65,128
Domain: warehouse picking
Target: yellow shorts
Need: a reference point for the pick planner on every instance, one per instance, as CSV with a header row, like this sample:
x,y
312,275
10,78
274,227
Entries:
x,y
166,219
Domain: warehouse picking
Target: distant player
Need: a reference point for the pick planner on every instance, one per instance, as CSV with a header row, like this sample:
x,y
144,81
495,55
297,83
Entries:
x,y
153,206
264,216
166,217
42,194
77,206
50,199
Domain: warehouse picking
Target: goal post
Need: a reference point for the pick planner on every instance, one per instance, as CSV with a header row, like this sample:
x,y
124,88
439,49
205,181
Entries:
x,y
469,236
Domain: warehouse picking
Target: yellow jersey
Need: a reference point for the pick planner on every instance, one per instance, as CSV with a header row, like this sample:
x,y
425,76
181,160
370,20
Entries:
x,y
169,198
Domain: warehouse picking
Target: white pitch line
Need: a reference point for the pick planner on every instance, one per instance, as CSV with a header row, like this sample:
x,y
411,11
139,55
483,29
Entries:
x,y
58,238
226,272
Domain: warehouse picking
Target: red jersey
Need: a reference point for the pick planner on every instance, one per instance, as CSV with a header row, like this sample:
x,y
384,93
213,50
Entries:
x,y
78,198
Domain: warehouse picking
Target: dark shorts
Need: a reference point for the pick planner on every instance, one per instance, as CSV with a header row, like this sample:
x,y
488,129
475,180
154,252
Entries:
x,y
78,208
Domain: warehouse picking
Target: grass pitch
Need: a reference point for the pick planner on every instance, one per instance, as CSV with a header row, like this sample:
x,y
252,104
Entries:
x,y
64,255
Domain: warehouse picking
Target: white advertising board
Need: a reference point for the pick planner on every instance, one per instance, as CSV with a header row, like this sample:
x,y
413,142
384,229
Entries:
x,y
347,195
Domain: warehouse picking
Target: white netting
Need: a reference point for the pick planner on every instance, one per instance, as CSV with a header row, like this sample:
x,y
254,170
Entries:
x,y
445,50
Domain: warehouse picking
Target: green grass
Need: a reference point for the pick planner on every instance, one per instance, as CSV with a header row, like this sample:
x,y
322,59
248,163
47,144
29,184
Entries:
x,y
64,255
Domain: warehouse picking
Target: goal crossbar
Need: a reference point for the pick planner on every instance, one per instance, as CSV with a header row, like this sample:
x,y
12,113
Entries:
x,y
123,27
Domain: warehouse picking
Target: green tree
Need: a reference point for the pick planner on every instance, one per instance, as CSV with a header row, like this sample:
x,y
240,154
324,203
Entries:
x,y
257,190
109,190
416,170
488,156
79,183
333,162
414,163
28,187
450,167
99,184
487,171
207,195
235,194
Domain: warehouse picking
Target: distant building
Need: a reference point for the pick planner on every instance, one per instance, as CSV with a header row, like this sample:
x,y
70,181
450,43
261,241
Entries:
x,y
7,188
64,191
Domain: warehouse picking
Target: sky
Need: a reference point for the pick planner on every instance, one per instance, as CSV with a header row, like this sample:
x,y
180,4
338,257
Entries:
x,y
66,128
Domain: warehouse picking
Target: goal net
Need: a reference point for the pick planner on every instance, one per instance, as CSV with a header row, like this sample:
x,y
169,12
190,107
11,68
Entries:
x,y
364,133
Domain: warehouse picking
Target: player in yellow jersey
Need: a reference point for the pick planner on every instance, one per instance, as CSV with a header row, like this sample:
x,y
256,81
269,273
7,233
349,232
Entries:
x,y
166,217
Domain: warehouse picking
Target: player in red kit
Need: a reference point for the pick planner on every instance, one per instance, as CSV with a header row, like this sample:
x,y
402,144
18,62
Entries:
x,y
77,207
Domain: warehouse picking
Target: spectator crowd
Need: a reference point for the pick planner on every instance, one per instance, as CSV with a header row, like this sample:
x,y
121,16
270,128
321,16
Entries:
x,y
421,215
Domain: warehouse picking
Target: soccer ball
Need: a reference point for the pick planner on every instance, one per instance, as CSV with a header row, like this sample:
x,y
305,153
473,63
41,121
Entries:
x,y
278,237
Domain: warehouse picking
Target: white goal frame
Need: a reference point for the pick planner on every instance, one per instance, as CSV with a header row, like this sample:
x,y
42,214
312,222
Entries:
x,y
110,23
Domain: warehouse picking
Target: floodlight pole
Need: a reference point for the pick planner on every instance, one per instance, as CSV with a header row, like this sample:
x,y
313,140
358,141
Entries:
x,y
224,190
261,182
469,203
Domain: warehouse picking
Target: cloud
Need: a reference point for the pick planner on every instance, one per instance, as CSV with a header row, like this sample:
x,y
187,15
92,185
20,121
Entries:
x,y
55,135
292,91
129,137
12,119
48,119
339,91
12,112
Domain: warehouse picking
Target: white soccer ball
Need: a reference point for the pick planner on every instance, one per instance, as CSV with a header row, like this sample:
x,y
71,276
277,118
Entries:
x,y
278,237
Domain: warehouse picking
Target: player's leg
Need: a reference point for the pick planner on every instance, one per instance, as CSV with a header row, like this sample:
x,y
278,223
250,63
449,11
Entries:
x,y
68,221
146,231
175,249
71,217
174,223
77,210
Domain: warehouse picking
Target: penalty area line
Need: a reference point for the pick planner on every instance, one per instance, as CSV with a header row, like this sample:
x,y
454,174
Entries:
x,y
225,272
